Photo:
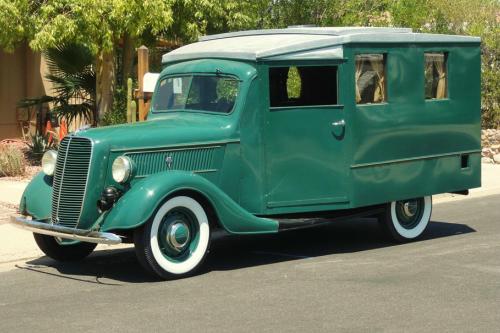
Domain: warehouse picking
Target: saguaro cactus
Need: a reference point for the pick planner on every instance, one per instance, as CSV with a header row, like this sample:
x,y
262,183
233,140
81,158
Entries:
x,y
133,110
131,104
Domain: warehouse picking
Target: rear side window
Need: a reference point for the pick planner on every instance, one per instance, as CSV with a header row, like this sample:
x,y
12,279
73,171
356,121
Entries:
x,y
302,86
370,78
436,78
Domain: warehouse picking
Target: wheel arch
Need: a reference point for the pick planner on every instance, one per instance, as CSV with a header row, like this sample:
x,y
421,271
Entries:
x,y
139,204
213,218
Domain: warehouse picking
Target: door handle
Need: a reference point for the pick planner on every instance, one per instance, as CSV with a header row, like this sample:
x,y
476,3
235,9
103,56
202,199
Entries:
x,y
339,123
338,133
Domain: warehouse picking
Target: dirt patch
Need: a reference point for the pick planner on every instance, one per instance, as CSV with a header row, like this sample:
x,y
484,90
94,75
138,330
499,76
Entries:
x,y
30,172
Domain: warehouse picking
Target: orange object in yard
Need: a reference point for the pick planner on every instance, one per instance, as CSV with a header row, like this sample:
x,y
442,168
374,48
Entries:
x,y
63,130
48,129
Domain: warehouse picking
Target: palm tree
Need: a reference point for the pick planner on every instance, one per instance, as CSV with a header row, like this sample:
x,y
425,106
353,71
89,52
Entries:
x,y
73,79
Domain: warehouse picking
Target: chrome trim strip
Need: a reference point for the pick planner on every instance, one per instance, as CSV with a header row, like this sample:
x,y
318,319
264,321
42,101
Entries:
x,y
65,232
308,202
411,159
61,180
192,171
193,145
168,150
205,170
86,180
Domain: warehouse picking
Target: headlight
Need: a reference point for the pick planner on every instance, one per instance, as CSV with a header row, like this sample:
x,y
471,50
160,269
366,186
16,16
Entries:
x,y
121,169
49,162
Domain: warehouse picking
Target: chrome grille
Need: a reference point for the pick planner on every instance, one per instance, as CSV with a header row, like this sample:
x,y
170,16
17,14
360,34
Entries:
x,y
198,159
70,180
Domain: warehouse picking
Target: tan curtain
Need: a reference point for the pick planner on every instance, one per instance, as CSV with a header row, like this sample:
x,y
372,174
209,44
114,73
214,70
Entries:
x,y
359,66
378,67
441,86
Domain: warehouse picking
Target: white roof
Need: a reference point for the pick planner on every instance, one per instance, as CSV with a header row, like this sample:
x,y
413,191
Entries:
x,y
299,43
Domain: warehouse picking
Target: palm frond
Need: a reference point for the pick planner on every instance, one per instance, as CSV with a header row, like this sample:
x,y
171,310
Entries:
x,y
68,59
30,102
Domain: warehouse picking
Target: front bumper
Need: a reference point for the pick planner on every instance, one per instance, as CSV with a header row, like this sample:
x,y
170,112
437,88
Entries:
x,y
65,232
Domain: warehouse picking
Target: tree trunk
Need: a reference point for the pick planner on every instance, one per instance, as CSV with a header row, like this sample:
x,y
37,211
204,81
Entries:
x,y
127,58
105,82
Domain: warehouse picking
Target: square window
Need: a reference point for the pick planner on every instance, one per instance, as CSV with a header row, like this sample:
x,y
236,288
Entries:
x,y
370,79
436,76
296,86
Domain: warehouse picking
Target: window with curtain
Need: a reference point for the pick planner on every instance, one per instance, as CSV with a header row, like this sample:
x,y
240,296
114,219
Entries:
x,y
435,73
370,79
302,86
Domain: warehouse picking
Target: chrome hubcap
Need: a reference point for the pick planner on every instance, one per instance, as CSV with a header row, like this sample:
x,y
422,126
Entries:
x,y
410,212
410,208
177,236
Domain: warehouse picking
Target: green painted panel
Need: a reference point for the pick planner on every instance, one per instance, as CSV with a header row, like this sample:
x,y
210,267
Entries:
x,y
36,199
252,181
408,127
304,157
417,178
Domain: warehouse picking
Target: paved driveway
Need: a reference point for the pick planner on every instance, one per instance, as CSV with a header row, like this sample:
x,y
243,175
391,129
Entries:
x,y
341,277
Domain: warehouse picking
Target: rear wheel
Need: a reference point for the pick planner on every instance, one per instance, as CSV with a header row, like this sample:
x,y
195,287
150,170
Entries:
x,y
174,243
62,250
405,220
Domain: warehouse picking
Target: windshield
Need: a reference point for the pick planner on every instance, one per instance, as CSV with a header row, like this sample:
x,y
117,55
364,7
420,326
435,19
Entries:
x,y
196,92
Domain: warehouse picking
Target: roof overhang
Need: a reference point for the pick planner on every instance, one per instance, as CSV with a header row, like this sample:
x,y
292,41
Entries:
x,y
299,43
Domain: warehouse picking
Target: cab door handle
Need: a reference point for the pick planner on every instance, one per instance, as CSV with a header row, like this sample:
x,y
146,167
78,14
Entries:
x,y
339,123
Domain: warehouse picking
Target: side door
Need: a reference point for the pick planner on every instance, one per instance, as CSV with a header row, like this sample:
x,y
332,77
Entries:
x,y
305,139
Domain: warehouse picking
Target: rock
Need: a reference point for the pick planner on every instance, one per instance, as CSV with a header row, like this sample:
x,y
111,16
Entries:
x,y
486,152
496,158
486,160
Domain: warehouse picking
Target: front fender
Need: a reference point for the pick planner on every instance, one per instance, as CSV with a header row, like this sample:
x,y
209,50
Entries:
x,y
138,204
36,200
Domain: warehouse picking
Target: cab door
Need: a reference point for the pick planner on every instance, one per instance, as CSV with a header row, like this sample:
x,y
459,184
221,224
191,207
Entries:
x,y
305,139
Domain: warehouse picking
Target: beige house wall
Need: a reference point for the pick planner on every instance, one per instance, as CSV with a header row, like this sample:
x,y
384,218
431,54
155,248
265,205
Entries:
x,y
21,76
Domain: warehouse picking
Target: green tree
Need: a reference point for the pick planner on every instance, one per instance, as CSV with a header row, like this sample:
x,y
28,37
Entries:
x,y
14,23
198,17
101,25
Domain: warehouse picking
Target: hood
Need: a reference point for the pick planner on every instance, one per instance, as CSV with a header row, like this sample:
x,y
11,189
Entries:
x,y
176,128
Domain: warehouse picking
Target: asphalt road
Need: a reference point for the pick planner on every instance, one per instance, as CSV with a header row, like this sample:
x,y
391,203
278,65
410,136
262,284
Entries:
x,y
341,277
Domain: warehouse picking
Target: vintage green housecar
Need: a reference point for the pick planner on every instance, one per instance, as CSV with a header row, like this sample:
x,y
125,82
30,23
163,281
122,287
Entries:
x,y
260,131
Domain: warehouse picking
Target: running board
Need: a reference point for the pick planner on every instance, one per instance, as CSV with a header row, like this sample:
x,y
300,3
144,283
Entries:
x,y
305,220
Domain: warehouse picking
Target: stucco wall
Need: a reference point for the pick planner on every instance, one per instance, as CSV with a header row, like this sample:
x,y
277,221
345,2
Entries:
x,y
20,76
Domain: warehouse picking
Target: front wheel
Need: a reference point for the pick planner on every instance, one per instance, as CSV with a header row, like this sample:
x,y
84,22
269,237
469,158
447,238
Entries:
x,y
62,250
174,243
405,220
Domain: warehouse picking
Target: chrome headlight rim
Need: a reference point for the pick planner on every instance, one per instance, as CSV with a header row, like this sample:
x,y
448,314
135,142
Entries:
x,y
49,160
121,169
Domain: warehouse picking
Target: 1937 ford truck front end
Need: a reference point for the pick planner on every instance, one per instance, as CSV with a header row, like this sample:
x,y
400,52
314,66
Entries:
x,y
106,183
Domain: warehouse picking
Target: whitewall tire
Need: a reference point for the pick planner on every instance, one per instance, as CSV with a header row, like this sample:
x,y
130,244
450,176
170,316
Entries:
x,y
175,241
405,220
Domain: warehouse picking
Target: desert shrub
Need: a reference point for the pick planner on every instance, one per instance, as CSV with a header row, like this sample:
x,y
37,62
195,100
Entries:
x,y
11,161
39,144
